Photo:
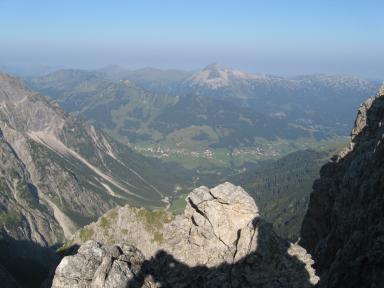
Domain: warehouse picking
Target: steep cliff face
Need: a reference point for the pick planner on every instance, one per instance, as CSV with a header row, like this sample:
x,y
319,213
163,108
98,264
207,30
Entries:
x,y
26,225
344,225
20,213
219,241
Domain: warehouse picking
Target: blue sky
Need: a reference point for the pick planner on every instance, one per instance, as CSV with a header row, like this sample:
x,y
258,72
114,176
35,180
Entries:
x,y
280,37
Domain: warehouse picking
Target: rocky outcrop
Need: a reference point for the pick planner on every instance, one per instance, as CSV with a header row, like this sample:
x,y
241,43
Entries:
x,y
219,225
344,225
219,241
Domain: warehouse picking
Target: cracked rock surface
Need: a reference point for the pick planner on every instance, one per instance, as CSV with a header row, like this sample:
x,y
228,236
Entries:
x,y
219,241
218,226
95,265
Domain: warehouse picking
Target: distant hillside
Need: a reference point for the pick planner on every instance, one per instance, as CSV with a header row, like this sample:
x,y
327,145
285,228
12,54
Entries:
x,y
281,188
216,117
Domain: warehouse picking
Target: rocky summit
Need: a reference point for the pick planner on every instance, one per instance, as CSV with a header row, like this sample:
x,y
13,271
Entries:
x,y
344,225
219,241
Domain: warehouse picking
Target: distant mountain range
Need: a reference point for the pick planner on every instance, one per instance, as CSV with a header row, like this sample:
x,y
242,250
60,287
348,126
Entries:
x,y
201,119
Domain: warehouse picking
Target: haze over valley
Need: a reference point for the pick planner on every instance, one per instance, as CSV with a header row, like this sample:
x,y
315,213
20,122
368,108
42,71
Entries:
x,y
212,117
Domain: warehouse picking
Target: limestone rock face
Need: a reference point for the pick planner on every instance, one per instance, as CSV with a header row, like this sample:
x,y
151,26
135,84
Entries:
x,y
219,241
218,226
344,225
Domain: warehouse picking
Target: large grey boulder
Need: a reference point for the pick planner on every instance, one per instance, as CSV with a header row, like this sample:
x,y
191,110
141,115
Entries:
x,y
95,265
217,226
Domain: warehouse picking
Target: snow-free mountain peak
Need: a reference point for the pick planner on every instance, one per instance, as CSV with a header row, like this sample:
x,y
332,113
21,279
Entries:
x,y
215,76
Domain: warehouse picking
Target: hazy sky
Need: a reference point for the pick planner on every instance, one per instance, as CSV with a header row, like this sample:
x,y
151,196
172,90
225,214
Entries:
x,y
280,37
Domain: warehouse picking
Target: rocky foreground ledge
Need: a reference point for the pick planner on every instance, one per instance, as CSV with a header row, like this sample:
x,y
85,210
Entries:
x,y
219,241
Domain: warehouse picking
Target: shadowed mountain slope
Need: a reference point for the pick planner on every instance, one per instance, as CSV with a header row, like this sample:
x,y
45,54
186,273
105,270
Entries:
x,y
344,225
